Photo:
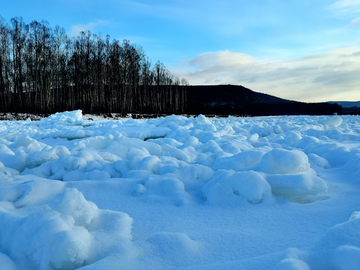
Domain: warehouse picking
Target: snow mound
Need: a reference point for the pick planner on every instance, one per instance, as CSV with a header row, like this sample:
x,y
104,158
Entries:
x,y
202,192
72,203
333,121
303,188
318,161
292,138
239,161
60,236
64,118
290,176
31,192
339,248
164,189
174,246
37,158
281,161
228,187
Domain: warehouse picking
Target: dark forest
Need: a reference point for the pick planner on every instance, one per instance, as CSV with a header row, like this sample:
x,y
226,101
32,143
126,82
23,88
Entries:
x,y
42,70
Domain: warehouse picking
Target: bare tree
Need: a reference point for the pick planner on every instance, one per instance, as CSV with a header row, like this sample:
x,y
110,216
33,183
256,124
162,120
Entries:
x,y
43,70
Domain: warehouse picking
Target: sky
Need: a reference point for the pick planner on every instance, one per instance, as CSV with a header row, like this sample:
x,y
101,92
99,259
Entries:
x,y
302,50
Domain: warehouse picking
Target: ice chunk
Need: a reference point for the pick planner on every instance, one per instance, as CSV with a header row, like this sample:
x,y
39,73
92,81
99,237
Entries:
x,y
72,133
201,119
69,248
67,235
187,154
228,187
301,188
98,142
281,161
239,161
333,121
292,138
5,150
192,175
27,144
334,153
37,158
191,141
254,137
38,191
94,165
64,118
44,240
140,152
165,189
148,163
306,141
318,161
72,202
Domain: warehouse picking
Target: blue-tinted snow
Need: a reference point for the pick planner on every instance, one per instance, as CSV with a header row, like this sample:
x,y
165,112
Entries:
x,y
180,193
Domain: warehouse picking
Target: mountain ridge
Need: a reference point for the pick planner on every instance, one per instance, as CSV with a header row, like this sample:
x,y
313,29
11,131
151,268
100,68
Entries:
x,y
346,104
239,100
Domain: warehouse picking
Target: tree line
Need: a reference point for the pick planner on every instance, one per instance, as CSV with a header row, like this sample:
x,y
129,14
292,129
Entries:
x,y
42,70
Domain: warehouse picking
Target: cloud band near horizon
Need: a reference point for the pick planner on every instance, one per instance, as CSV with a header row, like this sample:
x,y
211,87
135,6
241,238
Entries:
x,y
329,76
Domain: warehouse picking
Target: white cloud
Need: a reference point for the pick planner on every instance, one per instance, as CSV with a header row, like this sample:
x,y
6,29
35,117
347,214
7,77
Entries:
x,y
227,59
345,3
346,8
355,21
332,75
77,28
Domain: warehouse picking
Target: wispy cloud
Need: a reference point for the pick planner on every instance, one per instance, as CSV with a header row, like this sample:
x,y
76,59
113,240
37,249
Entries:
x,y
332,75
346,8
77,28
355,21
345,3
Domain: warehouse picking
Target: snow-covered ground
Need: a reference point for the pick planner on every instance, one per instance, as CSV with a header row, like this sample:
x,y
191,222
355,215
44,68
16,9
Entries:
x,y
180,193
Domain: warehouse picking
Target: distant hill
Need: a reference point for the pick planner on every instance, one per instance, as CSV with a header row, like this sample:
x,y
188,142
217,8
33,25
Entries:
x,y
346,104
239,100
349,107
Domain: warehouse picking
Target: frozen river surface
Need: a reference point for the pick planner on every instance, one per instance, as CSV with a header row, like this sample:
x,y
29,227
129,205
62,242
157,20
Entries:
x,y
180,193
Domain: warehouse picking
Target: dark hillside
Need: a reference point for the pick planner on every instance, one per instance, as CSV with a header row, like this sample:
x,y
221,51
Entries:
x,y
238,100
349,107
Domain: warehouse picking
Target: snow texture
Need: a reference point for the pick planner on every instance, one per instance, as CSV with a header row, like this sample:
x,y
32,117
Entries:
x,y
180,193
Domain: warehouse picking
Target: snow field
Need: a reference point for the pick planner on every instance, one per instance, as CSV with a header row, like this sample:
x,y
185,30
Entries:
x,y
222,165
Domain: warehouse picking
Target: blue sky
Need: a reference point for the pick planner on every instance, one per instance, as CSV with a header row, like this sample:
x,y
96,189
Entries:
x,y
304,50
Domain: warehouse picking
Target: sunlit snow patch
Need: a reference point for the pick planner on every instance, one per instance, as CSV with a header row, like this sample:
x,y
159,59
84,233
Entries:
x,y
290,176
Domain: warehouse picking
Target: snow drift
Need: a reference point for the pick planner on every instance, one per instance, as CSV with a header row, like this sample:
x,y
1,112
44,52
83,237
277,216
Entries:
x,y
180,192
